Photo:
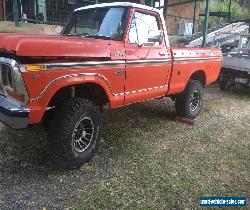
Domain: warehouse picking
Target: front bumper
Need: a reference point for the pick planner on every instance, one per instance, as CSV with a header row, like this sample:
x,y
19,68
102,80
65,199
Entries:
x,y
12,114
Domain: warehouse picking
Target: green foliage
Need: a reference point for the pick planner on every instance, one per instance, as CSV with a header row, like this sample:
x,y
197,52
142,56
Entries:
x,y
237,12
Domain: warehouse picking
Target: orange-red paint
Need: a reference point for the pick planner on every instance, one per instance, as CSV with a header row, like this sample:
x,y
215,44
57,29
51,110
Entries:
x,y
141,80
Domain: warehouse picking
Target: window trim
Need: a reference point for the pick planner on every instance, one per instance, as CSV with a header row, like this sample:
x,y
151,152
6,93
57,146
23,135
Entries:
x,y
125,17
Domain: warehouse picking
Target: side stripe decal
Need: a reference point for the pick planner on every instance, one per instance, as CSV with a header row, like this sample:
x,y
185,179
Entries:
x,y
108,63
70,76
96,75
141,90
197,59
103,63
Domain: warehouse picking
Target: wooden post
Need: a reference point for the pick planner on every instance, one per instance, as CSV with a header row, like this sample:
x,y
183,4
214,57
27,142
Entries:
x,y
165,12
194,17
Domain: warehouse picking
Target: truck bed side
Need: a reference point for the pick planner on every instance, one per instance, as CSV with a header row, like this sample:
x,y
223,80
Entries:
x,y
191,63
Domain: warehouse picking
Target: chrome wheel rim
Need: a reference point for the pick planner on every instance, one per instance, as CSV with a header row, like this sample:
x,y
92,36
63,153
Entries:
x,y
195,100
83,134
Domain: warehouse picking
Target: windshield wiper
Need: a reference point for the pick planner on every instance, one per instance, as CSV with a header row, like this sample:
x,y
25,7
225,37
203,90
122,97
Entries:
x,y
90,36
72,35
80,35
96,36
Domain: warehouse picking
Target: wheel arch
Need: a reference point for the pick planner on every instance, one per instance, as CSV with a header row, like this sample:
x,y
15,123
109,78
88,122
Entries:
x,y
88,90
57,96
200,76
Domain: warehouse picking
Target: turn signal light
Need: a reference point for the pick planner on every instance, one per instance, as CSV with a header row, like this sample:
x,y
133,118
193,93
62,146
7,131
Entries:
x,y
35,67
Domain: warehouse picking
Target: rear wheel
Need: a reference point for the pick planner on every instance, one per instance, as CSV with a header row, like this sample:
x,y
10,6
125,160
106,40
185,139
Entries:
x,y
74,131
189,102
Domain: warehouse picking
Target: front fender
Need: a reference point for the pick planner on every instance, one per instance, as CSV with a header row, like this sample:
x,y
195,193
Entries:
x,y
41,92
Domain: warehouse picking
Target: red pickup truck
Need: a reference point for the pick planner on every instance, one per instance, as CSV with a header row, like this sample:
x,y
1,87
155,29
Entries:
x,y
108,54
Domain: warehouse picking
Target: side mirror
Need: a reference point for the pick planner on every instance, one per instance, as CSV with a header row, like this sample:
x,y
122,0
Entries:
x,y
155,36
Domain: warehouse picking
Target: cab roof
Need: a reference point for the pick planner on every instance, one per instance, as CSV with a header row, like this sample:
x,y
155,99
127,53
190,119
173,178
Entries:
x,y
118,4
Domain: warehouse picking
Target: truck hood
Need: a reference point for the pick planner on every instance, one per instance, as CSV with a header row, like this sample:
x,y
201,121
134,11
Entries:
x,y
45,45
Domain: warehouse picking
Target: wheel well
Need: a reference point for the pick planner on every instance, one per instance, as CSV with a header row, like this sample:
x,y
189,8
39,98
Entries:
x,y
90,91
200,76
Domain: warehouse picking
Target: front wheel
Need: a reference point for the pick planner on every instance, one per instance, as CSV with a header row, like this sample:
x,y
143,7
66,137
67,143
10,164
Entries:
x,y
189,102
74,131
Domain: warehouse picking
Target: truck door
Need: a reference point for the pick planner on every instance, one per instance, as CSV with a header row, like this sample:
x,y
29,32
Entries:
x,y
148,65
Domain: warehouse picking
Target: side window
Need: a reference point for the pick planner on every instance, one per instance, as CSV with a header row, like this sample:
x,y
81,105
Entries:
x,y
140,26
133,36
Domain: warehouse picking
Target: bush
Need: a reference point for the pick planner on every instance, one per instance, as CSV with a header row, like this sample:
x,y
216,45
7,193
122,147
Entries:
x,y
237,12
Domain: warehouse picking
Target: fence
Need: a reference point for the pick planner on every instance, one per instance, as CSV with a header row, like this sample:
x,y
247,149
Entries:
x,y
45,11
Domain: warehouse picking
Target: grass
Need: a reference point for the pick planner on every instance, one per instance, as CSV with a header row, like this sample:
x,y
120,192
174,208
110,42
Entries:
x,y
145,159
155,163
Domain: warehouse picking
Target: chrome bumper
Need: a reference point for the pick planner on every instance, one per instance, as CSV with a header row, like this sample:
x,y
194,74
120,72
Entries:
x,y
12,114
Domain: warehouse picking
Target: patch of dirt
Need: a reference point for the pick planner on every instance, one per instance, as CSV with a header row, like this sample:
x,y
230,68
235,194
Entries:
x,y
7,26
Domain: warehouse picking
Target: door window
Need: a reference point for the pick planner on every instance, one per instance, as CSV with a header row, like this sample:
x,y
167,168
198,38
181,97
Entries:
x,y
140,26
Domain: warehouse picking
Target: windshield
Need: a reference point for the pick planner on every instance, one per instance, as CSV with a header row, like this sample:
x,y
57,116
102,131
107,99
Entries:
x,y
108,22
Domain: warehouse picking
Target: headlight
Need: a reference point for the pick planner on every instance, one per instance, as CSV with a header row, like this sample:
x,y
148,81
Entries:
x,y
11,80
7,77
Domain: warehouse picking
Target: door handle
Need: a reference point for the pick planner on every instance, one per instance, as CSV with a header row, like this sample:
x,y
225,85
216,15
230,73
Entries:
x,y
163,53
119,72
